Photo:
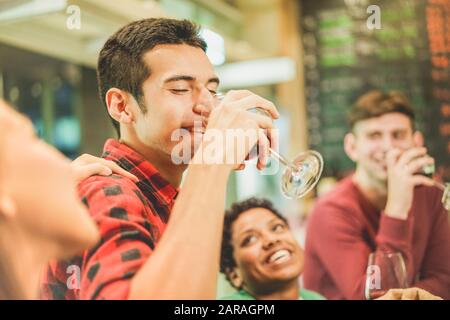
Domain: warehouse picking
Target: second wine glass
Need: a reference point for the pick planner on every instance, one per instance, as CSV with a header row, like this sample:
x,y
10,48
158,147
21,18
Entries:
x,y
385,271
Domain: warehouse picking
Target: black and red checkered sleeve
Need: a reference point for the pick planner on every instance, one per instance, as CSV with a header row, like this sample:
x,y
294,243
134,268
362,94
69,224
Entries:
x,y
128,228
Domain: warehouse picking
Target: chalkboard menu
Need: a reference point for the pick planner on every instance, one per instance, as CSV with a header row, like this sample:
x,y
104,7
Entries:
x,y
344,58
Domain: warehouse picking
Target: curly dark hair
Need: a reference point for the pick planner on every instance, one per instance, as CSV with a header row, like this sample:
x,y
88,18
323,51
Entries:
x,y
120,63
227,261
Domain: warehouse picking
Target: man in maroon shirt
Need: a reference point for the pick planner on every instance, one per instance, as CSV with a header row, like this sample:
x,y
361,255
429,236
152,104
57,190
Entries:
x,y
156,82
384,206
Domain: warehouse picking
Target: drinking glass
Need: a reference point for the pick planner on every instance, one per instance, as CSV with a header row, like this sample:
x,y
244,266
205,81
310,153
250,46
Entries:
x,y
301,174
385,271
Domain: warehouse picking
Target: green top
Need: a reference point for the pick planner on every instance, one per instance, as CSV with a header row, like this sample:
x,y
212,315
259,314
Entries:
x,y
304,295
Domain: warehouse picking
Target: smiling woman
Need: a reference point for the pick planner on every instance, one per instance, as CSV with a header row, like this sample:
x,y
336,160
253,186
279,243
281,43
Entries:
x,y
260,256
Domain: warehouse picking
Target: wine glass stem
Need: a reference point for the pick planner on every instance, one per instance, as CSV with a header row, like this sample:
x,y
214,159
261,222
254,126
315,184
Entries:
x,y
282,159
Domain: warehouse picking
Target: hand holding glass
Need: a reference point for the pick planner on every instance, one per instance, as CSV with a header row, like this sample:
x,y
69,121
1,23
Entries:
x,y
300,175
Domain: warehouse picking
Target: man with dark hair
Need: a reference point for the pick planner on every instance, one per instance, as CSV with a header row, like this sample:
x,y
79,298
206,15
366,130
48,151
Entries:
x,y
156,81
385,206
120,63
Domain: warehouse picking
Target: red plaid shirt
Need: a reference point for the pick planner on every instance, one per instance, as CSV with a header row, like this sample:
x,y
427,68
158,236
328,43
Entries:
x,y
131,218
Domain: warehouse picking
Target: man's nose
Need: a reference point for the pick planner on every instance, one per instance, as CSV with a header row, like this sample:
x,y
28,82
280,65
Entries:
x,y
204,103
387,143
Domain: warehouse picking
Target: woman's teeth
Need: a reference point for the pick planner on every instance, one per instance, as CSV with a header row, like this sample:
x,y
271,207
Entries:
x,y
279,256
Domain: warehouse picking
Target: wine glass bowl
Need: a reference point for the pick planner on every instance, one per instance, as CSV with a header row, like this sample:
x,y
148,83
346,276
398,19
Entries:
x,y
385,271
302,175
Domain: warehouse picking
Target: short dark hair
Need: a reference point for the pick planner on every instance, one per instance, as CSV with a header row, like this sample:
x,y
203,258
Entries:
x,y
376,103
120,63
227,261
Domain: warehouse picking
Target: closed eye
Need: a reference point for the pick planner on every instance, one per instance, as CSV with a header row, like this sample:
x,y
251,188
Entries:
x,y
374,135
399,135
179,91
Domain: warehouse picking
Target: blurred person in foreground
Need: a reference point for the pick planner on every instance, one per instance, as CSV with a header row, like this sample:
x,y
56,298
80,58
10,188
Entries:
x,y
155,80
386,205
38,205
262,259
41,216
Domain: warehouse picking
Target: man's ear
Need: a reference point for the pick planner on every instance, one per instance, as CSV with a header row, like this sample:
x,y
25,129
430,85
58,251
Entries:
x,y
418,139
7,206
118,103
235,277
350,146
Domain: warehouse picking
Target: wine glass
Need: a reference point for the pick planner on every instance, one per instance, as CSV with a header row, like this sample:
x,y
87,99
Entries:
x,y
428,170
299,175
385,271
